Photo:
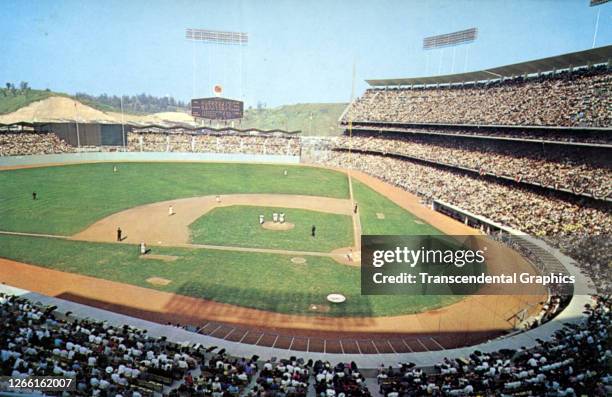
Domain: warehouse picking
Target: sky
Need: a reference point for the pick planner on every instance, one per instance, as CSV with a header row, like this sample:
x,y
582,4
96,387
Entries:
x,y
298,51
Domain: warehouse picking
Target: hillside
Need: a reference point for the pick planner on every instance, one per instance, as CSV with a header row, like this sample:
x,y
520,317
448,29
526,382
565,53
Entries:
x,y
310,118
64,108
10,102
12,99
38,105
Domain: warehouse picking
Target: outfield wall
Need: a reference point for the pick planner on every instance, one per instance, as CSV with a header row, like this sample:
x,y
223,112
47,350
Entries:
x,y
11,161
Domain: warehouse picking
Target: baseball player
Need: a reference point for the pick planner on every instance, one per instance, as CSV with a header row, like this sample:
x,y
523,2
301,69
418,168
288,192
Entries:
x,y
313,231
143,248
119,234
33,195
170,210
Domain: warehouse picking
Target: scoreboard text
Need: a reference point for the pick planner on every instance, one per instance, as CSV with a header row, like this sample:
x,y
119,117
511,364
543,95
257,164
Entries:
x,y
217,108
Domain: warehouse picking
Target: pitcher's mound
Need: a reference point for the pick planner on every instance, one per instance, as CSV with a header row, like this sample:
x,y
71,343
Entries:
x,y
158,281
278,226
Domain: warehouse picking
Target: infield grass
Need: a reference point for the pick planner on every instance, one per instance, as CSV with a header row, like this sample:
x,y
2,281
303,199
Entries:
x,y
239,226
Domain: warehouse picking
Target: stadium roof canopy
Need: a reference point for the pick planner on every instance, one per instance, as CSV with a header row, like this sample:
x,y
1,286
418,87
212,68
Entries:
x,y
593,56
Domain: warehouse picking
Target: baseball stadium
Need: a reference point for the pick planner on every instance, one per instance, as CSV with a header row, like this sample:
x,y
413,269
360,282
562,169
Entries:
x,y
209,248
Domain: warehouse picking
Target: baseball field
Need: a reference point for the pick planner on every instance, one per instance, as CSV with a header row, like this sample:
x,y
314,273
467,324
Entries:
x,y
213,247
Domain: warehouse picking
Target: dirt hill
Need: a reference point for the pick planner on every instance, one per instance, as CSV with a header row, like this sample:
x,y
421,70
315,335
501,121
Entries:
x,y
59,108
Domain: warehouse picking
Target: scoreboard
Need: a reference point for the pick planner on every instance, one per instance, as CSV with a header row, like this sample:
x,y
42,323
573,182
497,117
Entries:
x,y
217,108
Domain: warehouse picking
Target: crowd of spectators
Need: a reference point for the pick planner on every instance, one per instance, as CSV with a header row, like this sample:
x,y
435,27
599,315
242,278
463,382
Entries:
x,y
213,143
575,362
29,143
579,98
220,376
592,252
342,380
286,378
103,360
560,167
37,340
520,208
124,361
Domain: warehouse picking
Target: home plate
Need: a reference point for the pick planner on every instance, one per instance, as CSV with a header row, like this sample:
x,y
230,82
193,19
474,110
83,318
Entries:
x,y
336,298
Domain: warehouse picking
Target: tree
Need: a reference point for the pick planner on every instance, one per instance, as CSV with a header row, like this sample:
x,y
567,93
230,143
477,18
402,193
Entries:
x,y
24,87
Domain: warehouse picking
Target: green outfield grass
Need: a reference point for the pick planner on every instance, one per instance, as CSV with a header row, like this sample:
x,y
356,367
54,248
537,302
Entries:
x,y
74,196
262,281
239,226
397,221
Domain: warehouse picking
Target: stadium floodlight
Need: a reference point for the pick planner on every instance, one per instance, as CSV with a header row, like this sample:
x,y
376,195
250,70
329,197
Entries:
x,y
450,39
593,4
217,36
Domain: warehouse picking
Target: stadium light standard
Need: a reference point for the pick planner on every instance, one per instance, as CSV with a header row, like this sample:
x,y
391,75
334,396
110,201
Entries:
x,y
593,4
453,39
217,37
350,121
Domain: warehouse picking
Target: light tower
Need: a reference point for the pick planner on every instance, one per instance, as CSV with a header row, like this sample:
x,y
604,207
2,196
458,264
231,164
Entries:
x,y
213,39
453,39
